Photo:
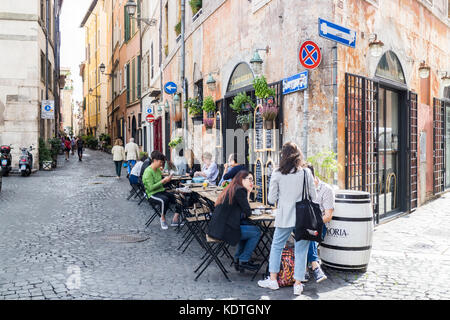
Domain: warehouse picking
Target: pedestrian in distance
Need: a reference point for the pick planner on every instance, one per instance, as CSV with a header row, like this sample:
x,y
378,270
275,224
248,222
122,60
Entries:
x,y
67,146
72,144
286,186
118,153
229,221
325,199
154,187
80,146
132,153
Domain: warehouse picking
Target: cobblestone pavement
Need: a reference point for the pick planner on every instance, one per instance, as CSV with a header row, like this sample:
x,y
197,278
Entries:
x,y
55,225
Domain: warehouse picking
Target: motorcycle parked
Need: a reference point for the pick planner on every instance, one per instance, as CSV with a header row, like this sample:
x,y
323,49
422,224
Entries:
x,y
5,159
26,161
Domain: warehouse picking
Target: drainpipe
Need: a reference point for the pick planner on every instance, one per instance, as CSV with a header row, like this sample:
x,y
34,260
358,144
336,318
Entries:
x,y
305,119
183,79
46,49
335,101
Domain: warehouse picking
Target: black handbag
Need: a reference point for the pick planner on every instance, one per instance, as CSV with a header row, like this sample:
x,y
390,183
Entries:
x,y
308,217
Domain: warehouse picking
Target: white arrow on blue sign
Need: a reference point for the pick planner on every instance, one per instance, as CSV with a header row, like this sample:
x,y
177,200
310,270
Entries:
x,y
295,83
337,33
170,87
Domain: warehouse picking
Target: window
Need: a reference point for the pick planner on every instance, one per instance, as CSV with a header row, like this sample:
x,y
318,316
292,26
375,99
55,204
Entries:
x,y
50,76
133,80
42,11
127,81
42,67
127,25
138,77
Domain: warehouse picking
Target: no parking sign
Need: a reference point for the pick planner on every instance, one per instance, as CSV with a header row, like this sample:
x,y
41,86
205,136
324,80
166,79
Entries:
x,y
310,55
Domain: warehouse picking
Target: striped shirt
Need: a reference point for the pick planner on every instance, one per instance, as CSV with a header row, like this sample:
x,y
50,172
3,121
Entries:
x,y
325,196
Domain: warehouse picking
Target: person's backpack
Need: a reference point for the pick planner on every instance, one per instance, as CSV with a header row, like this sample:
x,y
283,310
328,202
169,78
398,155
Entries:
x,y
67,144
286,274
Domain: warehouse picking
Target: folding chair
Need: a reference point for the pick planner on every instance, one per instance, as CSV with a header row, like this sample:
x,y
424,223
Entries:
x,y
195,219
213,247
157,207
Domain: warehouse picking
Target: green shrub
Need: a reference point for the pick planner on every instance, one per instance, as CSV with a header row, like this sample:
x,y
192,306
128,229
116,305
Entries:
x,y
44,152
239,101
194,106
209,105
90,141
55,146
196,5
325,165
261,89
178,28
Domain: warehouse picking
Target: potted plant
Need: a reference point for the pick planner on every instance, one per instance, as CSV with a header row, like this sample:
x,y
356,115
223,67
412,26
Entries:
x,y
194,107
262,91
269,113
242,103
244,120
196,5
45,157
174,142
209,106
55,146
178,28
208,122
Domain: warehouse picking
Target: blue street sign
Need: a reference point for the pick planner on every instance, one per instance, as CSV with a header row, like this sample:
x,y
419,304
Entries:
x,y
295,83
47,108
170,87
337,33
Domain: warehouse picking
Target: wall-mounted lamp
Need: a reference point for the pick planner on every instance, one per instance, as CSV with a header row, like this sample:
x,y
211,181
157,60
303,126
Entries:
x,y
131,7
445,77
90,92
102,69
256,61
166,106
375,46
211,82
424,70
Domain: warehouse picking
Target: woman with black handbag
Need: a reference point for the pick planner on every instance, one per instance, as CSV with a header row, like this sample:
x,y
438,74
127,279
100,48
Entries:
x,y
286,187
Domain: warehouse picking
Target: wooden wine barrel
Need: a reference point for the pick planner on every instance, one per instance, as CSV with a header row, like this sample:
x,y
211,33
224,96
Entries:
x,y
348,241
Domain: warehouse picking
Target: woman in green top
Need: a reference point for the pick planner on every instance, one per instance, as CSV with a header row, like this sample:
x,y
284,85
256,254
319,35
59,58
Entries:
x,y
154,187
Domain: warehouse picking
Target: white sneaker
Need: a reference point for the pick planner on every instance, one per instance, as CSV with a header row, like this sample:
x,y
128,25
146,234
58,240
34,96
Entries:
x,y
298,289
164,225
267,283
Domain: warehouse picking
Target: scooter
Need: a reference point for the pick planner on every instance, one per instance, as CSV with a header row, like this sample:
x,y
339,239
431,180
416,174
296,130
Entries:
x,y
26,161
5,159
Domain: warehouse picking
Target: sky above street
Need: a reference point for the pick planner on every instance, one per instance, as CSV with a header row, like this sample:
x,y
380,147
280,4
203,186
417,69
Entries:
x,y
72,41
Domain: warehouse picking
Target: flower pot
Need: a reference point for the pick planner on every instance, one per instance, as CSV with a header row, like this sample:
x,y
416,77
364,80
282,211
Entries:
x,y
270,100
245,126
269,124
197,117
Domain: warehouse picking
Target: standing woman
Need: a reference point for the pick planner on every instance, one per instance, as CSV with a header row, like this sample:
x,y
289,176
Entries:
x,y
230,222
67,146
286,186
118,153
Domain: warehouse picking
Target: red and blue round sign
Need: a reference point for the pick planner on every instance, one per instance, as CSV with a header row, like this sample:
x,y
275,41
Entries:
x,y
310,55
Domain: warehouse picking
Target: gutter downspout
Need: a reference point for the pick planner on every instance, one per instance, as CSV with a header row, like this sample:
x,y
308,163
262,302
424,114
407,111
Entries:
x,y
335,102
305,126
183,79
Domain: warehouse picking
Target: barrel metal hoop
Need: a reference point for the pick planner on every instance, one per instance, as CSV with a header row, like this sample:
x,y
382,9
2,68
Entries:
x,y
352,196
361,266
345,248
352,219
350,201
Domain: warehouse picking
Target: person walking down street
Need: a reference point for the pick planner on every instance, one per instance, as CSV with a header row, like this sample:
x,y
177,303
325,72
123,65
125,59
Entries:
x,y
80,146
72,144
132,152
325,199
118,153
67,146
229,221
286,186
154,187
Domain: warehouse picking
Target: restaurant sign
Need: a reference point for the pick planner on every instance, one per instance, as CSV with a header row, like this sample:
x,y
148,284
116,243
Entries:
x,y
241,77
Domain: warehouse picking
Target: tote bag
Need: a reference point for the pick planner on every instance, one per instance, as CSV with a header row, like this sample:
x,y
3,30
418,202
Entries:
x,y
308,217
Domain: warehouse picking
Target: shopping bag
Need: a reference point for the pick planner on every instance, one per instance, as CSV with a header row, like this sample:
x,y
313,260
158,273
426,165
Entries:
x,y
286,274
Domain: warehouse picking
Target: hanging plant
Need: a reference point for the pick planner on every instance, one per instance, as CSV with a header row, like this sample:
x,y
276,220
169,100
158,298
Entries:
x,y
208,122
269,113
242,102
176,141
196,5
262,91
178,28
194,106
244,120
209,105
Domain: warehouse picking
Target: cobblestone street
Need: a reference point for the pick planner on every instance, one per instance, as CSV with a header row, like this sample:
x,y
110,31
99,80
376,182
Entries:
x,y
53,223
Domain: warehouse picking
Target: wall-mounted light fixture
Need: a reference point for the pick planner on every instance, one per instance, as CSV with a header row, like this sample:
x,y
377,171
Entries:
x,y
424,70
131,7
375,46
166,106
445,77
211,82
102,69
256,61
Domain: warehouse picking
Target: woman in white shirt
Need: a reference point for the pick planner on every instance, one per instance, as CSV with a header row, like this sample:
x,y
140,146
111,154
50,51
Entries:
x,y
209,169
136,171
286,186
118,153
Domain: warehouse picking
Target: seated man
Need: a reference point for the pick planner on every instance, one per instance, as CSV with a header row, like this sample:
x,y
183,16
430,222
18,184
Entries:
x,y
231,168
136,171
154,187
209,169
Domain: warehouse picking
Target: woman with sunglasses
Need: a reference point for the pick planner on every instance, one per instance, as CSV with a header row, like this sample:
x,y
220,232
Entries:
x,y
230,222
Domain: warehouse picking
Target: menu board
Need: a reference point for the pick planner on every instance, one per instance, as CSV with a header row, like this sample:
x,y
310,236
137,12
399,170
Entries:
x,y
259,181
268,175
259,129
270,146
218,130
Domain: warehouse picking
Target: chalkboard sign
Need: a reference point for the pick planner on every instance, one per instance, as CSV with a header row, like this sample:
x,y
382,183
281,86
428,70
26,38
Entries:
x,y
269,141
218,130
259,185
259,129
268,175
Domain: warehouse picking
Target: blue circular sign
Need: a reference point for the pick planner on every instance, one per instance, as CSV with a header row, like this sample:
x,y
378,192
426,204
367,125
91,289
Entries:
x,y
47,108
170,87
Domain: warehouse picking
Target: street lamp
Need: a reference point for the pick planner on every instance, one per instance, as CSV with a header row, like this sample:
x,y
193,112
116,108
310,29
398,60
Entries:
x,y
102,70
131,10
375,46
211,82
256,61
424,70
445,78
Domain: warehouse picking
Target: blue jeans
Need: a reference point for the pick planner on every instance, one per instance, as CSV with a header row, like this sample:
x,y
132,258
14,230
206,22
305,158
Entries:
x,y
130,166
312,252
250,235
118,165
133,179
280,237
